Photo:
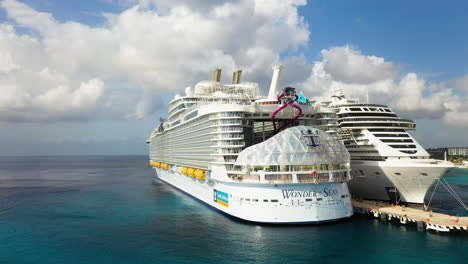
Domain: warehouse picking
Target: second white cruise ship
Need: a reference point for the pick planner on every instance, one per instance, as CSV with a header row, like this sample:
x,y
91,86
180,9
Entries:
x,y
257,158
387,162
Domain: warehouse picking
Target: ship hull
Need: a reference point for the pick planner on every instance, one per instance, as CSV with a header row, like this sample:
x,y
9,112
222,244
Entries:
x,y
309,203
394,181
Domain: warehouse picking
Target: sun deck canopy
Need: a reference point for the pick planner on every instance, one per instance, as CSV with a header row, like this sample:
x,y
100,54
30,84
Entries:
x,y
300,145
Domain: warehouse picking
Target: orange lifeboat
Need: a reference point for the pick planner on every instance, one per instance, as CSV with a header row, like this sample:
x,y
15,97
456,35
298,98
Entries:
x,y
191,172
200,174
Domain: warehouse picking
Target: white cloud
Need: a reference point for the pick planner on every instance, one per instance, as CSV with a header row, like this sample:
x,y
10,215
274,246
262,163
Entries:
x,y
71,71
63,71
410,95
462,83
350,66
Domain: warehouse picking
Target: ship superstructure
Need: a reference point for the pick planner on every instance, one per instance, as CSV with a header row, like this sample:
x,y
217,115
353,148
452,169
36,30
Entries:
x,y
263,159
387,162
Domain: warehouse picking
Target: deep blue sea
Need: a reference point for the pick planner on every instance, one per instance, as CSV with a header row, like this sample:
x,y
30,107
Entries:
x,y
108,210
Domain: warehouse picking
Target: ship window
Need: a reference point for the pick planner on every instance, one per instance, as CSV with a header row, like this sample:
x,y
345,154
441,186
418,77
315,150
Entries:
x,y
265,200
397,173
278,178
248,200
355,109
409,152
424,174
319,199
391,135
255,200
265,114
367,115
343,196
191,115
274,201
377,173
309,200
397,140
403,146
175,123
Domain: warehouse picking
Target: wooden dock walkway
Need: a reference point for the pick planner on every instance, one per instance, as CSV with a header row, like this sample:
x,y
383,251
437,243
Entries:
x,y
423,219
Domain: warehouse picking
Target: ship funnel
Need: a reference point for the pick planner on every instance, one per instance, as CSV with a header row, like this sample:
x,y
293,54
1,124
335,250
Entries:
x,y
272,94
217,75
236,76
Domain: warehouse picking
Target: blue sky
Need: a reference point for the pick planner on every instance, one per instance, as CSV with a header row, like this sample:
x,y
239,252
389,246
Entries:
x,y
428,37
422,42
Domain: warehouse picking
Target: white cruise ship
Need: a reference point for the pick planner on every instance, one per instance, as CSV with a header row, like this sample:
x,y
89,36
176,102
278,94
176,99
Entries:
x,y
257,158
387,162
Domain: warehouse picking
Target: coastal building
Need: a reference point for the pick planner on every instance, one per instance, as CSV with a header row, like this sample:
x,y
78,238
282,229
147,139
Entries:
x,y
449,153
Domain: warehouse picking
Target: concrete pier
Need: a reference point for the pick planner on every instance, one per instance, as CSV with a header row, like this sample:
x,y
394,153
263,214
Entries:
x,y
405,215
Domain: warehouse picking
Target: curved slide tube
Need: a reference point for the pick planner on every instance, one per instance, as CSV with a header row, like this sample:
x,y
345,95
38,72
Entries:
x,y
281,108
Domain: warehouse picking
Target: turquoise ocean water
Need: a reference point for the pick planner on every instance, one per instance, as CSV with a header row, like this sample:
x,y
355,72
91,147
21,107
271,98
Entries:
x,y
107,210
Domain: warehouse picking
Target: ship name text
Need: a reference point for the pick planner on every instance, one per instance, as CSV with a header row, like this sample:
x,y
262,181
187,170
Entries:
x,y
304,194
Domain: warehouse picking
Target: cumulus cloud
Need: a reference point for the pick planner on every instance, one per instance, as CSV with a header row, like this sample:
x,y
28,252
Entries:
x,y
350,66
462,83
62,71
363,76
53,71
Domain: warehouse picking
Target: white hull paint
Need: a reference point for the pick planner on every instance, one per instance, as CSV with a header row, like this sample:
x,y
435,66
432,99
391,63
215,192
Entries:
x,y
268,203
372,179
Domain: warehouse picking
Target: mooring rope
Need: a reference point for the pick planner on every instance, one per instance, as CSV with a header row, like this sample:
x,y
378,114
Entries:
x,y
453,193
433,191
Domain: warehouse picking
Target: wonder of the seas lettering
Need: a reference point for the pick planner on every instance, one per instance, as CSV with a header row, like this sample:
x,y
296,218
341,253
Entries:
x,y
329,192
307,194
296,194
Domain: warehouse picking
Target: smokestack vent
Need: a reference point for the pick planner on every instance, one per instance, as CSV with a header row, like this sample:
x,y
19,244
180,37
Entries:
x,y
217,75
274,83
236,77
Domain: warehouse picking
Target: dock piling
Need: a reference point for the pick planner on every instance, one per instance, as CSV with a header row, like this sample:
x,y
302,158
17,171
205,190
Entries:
x,y
383,217
420,225
423,218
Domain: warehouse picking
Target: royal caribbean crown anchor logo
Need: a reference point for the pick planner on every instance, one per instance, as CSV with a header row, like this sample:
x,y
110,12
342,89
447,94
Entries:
x,y
311,138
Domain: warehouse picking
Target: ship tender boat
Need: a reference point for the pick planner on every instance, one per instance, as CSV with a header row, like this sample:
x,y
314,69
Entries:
x,y
387,162
257,158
